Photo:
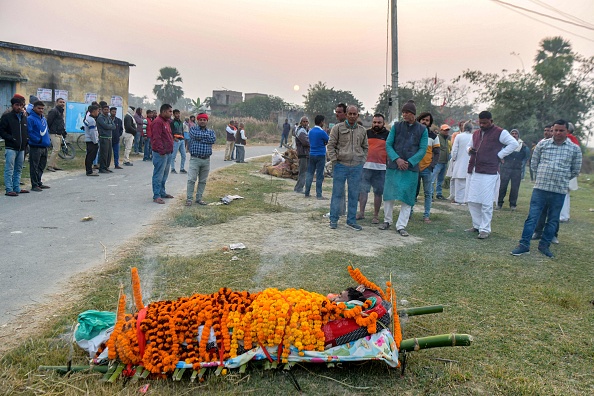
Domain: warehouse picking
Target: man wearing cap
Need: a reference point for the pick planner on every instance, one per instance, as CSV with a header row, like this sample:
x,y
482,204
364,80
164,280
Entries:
x,y
488,148
406,146
511,171
442,163
13,129
347,149
201,141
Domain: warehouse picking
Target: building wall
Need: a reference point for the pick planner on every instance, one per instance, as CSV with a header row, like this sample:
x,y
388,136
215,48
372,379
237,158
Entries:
x,y
77,76
249,96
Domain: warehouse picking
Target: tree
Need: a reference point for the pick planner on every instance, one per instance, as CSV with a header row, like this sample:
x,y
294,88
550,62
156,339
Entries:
x,y
323,100
196,105
259,107
561,85
168,91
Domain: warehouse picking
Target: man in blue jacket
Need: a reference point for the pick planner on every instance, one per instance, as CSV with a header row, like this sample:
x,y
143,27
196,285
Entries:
x,y
39,141
13,129
318,139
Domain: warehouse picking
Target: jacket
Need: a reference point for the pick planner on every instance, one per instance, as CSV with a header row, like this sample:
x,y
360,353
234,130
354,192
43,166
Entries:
x,y
444,149
162,139
302,142
116,134
348,145
55,121
407,143
38,131
91,134
129,125
105,126
139,123
14,131
517,159
486,145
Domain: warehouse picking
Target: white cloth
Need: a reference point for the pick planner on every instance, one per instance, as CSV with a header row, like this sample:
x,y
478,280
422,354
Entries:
x,y
460,156
481,216
403,216
128,139
564,215
388,211
481,188
458,190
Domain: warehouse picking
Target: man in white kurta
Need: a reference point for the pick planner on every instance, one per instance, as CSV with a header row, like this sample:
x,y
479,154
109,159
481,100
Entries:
x,y
488,148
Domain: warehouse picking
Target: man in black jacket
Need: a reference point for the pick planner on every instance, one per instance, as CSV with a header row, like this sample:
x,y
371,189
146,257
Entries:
x,y
105,126
115,136
13,129
57,129
129,133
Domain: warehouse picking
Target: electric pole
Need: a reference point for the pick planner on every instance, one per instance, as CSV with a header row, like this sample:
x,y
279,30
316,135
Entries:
x,y
394,108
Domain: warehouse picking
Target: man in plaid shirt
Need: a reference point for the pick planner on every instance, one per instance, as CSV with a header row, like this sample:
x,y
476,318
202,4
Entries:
x,y
201,141
555,161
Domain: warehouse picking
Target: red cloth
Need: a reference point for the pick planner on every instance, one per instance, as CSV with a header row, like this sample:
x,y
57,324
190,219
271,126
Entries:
x,y
573,139
162,138
149,124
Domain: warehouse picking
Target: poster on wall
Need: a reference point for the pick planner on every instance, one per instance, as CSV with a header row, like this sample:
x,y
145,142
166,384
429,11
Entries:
x,y
117,101
90,97
76,113
61,93
45,94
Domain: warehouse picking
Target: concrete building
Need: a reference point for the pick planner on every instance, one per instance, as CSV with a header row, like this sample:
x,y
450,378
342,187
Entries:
x,y
249,96
51,74
223,100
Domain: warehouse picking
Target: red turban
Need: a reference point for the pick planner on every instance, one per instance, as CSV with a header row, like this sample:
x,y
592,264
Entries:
x,y
202,115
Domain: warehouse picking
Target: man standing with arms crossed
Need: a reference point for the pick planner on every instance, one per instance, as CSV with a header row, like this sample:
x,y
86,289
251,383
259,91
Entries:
x,y
57,129
201,141
555,161
488,148
162,148
347,149
230,145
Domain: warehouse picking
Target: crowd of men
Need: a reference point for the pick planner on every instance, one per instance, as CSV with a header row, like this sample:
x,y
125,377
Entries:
x,y
481,163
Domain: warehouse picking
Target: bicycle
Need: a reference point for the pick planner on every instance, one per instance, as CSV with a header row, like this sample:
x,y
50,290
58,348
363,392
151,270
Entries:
x,y
67,150
80,142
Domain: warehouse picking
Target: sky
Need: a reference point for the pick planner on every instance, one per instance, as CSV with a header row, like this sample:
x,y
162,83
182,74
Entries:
x,y
271,46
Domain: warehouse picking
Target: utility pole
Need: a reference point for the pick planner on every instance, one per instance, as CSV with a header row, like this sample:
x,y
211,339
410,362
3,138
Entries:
x,y
394,108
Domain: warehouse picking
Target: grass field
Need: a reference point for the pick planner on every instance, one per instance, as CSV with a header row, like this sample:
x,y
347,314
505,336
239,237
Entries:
x,y
532,318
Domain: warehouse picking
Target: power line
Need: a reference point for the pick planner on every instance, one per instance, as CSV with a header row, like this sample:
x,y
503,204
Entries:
x,y
565,14
544,15
538,20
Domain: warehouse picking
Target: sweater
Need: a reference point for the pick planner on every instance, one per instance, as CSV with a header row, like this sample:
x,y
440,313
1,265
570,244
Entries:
x,y
105,126
162,139
318,139
13,129
38,131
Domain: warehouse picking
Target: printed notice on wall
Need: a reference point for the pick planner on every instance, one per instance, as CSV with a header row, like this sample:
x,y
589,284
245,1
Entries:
x,y
90,97
117,101
61,93
45,94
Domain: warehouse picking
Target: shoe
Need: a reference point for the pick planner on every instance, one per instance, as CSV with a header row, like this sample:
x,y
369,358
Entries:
x,y
321,198
299,192
23,191
441,197
168,196
128,164
536,236
355,226
306,195
333,225
12,194
188,202
57,169
36,189
483,235
103,171
43,186
118,167
520,250
109,170
513,208
403,232
498,207
183,171
158,200
375,220
384,226
546,251
49,168
201,202
173,171
95,166
92,174
554,240
471,230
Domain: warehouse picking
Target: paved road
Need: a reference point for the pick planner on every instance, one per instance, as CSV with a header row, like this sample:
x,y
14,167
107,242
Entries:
x,y
45,243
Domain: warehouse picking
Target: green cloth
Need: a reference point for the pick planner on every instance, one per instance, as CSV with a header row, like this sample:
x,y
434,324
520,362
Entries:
x,y
91,323
402,185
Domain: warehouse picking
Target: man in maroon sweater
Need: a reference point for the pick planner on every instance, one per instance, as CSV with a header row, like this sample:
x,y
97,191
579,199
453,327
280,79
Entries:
x,y
162,145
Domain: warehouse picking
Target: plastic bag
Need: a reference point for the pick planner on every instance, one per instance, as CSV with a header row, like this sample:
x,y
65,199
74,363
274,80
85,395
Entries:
x,y
91,323
277,158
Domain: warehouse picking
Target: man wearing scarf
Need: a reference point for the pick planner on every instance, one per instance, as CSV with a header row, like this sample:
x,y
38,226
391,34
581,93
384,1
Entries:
x,y
511,170
488,148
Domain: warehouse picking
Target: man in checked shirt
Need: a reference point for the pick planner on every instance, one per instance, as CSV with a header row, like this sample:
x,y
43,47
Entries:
x,y
555,161
201,141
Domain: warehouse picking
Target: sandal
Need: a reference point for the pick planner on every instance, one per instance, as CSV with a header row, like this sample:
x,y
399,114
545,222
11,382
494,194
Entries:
x,y
384,226
359,216
426,220
201,202
167,196
158,200
375,220
402,232
189,202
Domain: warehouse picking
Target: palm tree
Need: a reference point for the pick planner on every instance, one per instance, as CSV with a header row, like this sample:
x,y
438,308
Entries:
x,y
554,60
168,91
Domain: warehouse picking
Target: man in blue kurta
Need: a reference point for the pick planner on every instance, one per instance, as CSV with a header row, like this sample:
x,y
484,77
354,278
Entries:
x,y
406,145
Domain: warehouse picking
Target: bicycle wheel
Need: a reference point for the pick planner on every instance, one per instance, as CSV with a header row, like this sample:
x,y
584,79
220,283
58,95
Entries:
x,y
67,151
80,142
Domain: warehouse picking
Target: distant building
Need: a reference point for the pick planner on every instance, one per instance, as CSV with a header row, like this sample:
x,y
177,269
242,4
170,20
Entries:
x,y
50,74
223,100
249,96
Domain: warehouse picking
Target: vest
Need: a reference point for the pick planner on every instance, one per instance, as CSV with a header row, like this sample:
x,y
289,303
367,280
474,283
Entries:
x,y
238,139
407,140
487,145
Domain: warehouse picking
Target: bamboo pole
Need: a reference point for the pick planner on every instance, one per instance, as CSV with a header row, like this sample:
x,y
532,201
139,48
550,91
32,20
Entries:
x,y
442,340
415,311
74,369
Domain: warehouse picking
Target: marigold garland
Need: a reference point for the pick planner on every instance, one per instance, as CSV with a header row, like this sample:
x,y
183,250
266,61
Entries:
x,y
358,277
136,291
